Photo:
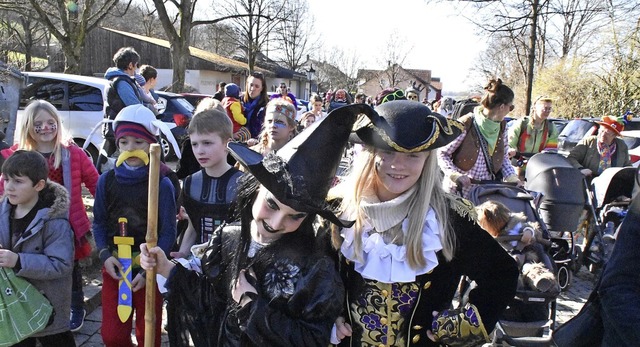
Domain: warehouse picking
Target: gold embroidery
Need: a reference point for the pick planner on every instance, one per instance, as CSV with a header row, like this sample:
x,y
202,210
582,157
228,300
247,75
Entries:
x,y
427,285
415,339
463,207
417,327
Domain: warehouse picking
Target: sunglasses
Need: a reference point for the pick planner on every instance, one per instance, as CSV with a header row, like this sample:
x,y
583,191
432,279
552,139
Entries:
x,y
397,95
257,74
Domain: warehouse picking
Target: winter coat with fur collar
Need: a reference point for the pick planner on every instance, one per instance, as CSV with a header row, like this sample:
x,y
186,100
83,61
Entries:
x,y
46,252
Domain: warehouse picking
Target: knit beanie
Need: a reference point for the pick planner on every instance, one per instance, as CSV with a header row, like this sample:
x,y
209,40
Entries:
x,y
232,90
136,130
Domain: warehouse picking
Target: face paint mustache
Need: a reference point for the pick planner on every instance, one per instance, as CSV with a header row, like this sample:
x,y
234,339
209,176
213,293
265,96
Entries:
x,y
138,153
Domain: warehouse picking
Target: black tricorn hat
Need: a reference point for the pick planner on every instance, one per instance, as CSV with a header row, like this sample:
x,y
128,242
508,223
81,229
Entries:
x,y
300,174
406,126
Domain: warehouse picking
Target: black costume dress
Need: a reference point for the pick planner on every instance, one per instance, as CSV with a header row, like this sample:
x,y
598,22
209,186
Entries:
x,y
300,295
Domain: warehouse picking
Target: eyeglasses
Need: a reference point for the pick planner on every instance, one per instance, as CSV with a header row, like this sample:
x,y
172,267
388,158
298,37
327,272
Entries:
x,y
397,95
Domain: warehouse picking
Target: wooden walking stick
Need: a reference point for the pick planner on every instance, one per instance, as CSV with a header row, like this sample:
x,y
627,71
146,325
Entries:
x,y
152,241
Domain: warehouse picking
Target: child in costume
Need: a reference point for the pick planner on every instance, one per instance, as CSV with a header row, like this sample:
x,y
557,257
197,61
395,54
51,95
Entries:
x,y
121,202
209,193
411,242
42,131
267,282
279,126
535,265
36,240
235,111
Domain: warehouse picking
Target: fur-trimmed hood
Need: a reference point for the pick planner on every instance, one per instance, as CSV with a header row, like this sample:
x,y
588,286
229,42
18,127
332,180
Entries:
x,y
57,199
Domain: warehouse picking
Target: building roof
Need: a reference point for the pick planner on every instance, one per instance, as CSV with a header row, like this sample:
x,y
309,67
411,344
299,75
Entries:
x,y
214,58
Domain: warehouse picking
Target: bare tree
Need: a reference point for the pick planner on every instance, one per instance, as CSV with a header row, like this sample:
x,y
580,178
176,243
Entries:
x,y
140,18
394,56
69,22
178,22
254,22
217,38
293,35
531,25
338,69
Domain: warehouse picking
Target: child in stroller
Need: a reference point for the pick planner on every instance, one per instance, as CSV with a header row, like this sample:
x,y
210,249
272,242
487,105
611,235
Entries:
x,y
524,241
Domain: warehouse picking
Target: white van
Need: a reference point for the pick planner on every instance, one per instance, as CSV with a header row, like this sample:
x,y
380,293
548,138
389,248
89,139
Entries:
x,y
80,101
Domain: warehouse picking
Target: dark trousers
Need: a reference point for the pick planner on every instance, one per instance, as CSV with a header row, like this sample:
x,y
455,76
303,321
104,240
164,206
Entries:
x,y
77,294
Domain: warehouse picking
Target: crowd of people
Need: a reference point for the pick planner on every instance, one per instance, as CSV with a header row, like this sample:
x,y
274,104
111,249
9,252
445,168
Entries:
x,y
275,250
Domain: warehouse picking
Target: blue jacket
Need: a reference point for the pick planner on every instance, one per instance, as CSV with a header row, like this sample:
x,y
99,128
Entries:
x,y
46,252
125,91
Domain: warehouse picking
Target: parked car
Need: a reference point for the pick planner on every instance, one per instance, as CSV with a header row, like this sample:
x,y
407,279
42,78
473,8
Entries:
x,y
80,101
576,129
174,108
194,99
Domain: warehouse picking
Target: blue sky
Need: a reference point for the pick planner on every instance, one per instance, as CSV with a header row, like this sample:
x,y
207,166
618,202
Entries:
x,y
435,34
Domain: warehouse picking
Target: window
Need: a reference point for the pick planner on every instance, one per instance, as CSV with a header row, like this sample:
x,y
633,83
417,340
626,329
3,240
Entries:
x,y
44,89
84,98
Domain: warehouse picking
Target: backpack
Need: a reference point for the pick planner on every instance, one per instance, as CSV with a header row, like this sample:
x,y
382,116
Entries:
x,y
114,102
463,107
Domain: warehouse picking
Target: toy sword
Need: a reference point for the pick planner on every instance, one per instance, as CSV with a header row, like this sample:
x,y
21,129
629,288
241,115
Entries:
x,y
124,243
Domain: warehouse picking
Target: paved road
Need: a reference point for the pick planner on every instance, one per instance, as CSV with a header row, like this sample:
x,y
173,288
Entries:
x,y
569,303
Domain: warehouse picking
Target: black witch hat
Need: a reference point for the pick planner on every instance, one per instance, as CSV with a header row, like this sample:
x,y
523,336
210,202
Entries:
x,y
302,171
406,126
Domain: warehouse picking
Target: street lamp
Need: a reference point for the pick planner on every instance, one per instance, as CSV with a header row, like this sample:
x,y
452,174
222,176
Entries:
x,y
311,75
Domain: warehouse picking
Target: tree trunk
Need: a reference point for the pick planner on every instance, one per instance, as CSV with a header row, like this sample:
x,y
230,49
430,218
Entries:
x,y
532,55
179,57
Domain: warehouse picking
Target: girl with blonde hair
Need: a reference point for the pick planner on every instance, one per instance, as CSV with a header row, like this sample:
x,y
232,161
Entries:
x,y
411,241
279,126
41,130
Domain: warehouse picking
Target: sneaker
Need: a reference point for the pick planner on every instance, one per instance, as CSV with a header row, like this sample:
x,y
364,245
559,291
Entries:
x,y
77,319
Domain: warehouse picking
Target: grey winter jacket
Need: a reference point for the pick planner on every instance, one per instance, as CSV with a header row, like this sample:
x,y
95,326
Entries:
x,y
46,252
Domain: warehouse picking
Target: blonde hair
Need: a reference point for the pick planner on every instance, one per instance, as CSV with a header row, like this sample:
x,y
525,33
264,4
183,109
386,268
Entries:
x,y
428,194
29,143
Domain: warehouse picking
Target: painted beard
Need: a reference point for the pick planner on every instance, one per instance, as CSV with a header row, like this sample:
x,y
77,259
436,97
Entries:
x,y
138,153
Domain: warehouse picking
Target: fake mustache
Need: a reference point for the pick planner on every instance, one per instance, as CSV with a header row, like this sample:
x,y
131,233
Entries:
x,y
138,153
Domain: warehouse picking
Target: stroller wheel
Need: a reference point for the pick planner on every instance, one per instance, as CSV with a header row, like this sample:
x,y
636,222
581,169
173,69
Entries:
x,y
564,276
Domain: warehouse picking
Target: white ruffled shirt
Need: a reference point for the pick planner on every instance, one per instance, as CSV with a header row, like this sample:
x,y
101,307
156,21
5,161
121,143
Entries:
x,y
386,262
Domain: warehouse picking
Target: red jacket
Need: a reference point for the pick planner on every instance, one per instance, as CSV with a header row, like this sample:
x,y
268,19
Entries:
x,y
77,169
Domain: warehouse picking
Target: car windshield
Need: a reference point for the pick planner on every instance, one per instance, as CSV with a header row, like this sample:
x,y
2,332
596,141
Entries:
x,y
575,130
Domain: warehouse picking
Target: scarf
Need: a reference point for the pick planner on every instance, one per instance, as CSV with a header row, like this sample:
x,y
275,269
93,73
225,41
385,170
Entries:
x,y
250,106
384,216
489,129
605,151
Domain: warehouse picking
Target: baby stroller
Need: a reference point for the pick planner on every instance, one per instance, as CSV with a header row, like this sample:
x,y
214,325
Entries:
x,y
608,198
530,318
561,203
